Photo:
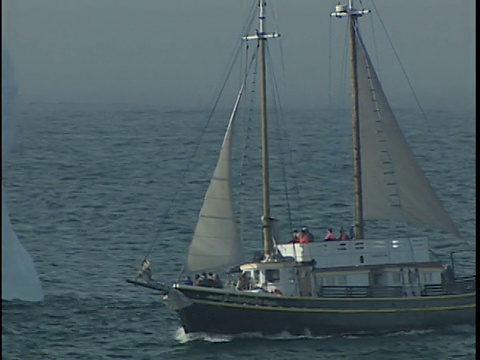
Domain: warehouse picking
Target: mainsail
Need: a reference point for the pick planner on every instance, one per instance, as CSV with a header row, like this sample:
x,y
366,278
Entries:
x,y
216,241
393,184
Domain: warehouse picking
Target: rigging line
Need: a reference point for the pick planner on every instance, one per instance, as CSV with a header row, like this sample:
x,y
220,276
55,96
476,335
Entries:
x,y
229,70
195,150
280,121
344,69
343,92
229,132
230,125
232,60
247,127
288,150
374,44
277,27
246,30
245,164
403,69
236,106
330,63
242,69
342,89
252,16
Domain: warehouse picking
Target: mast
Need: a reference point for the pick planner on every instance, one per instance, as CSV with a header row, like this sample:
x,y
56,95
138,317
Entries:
x,y
261,36
353,14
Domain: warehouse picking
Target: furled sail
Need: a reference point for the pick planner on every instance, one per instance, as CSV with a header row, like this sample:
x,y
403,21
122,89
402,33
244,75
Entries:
x,y
216,241
393,184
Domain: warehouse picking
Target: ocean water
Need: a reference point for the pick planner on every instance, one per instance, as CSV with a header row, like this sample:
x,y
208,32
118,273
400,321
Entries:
x,y
89,186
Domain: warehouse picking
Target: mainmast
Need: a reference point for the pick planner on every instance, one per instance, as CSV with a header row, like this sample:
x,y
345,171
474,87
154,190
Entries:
x,y
262,37
353,14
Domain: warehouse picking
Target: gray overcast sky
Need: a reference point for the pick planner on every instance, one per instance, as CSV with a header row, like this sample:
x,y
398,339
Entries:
x,y
174,52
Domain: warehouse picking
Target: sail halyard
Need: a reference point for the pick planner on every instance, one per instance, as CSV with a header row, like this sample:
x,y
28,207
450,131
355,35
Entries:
x,y
216,241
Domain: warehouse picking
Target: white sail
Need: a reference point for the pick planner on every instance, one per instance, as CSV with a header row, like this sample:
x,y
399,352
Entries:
x,y
19,277
393,184
216,241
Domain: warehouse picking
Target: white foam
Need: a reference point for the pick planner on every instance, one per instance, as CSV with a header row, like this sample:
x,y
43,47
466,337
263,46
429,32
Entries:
x,y
183,337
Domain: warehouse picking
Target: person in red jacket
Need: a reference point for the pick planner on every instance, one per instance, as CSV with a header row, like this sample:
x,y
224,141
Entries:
x,y
308,233
343,235
330,235
305,236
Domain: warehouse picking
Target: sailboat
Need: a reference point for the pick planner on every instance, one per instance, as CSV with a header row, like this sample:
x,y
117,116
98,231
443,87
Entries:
x,y
349,286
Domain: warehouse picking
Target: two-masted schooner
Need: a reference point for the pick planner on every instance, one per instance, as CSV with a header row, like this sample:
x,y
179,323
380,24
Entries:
x,y
361,285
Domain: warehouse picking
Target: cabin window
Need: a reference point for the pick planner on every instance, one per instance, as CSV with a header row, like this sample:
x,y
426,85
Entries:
x,y
329,280
272,276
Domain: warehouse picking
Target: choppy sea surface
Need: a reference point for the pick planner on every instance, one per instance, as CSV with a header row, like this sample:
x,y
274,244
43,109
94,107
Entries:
x,y
89,184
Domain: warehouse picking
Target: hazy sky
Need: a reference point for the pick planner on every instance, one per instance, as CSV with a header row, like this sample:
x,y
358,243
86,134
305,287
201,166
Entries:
x,y
174,52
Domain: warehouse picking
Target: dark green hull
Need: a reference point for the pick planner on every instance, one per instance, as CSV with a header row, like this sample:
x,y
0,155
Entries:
x,y
222,312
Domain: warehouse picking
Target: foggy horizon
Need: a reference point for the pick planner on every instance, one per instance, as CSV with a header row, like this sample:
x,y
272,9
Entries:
x,y
173,54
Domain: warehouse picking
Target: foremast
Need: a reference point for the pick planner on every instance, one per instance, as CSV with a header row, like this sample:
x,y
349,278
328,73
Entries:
x,y
352,14
261,36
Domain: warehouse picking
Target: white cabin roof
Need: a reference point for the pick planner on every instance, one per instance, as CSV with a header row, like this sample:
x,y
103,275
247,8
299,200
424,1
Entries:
x,y
340,253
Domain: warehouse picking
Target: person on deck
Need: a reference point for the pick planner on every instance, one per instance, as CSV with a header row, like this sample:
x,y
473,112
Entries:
x,y
330,235
217,283
308,233
198,280
351,232
243,282
343,235
145,272
210,280
187,281
295,237
304,238
203,281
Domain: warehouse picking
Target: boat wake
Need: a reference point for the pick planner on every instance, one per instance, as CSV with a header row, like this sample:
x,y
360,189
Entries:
x,y
183,337
410,332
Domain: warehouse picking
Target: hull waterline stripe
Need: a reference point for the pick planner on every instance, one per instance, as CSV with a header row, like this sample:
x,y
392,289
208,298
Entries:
x,y
342,311
432,297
